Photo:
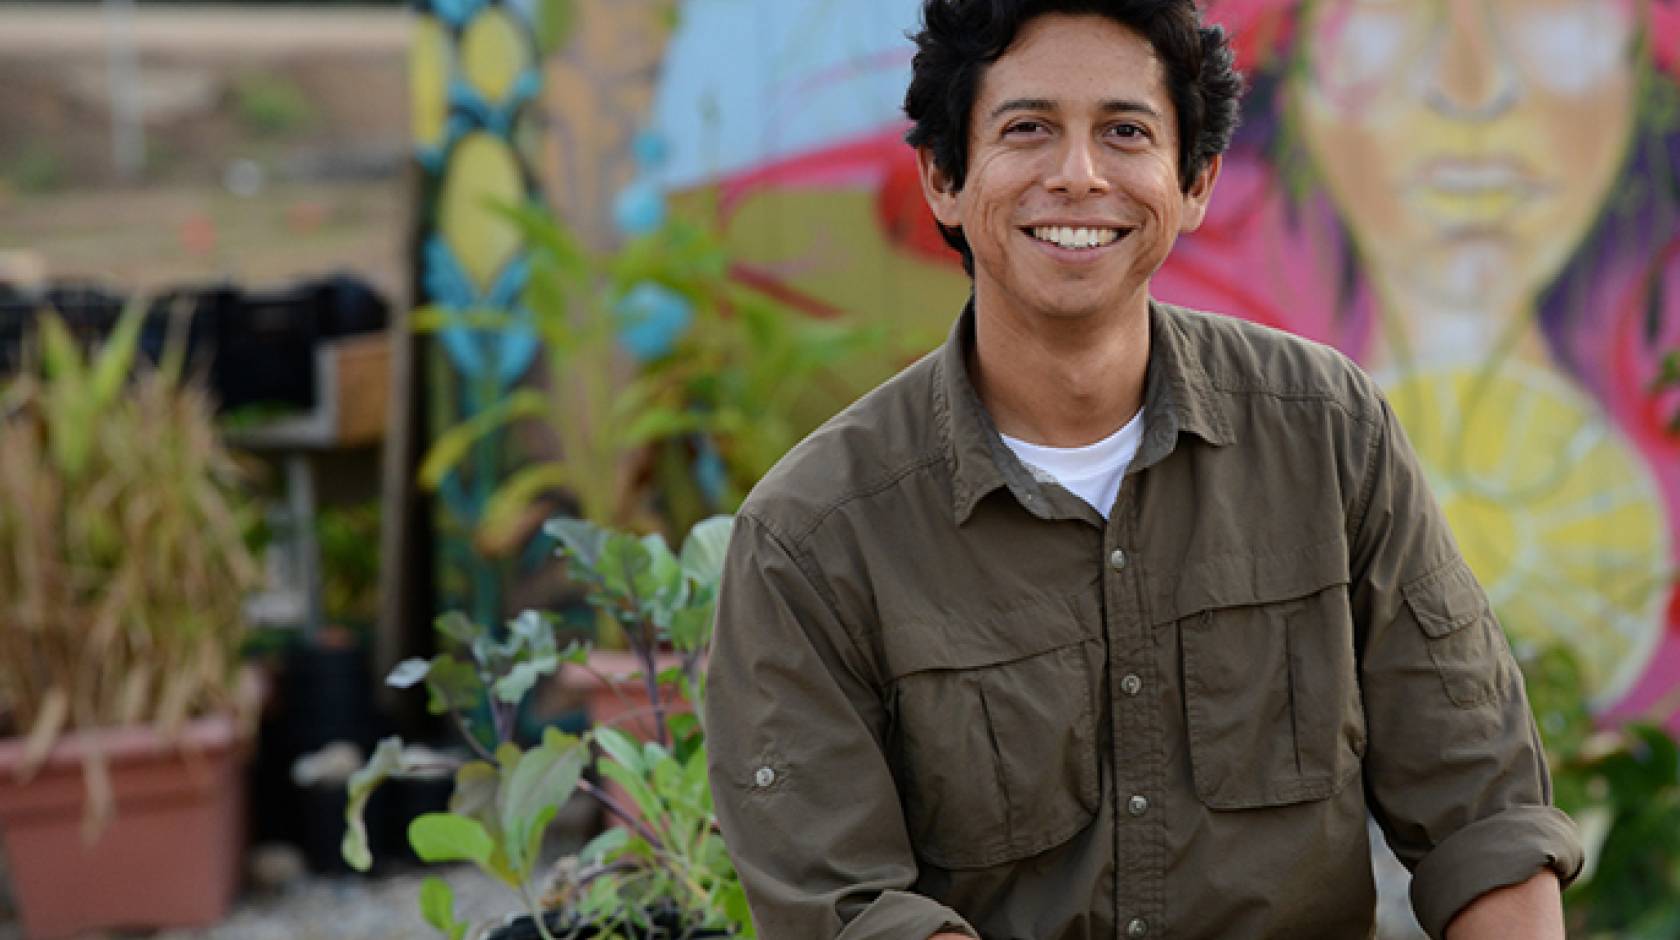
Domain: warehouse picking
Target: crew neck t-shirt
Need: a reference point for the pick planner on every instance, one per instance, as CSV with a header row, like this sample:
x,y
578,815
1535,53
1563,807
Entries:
x,y
1092,472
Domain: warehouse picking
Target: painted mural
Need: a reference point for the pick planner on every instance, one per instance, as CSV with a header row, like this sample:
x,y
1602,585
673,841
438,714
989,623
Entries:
x,y
473,74
1476,199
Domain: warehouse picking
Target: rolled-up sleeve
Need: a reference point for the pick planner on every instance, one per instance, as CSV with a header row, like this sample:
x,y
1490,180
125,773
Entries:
x,y
1454,768
795,727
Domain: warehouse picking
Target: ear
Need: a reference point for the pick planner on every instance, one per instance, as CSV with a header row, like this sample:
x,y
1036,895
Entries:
x,y
1200,191
941,196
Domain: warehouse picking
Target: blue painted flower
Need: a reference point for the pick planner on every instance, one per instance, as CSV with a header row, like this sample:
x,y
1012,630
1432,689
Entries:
x,y
650,150
652,317
639,208
710,472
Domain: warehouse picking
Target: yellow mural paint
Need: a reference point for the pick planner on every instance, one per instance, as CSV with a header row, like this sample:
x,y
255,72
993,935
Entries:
x,y
482,173
1553,509
494,53
429,63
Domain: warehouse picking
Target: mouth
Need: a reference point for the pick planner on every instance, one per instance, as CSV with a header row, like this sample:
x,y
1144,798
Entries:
x,y
1462,191
1076,238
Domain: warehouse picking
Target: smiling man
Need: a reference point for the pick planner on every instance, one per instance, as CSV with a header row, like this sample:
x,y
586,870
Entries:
x,y
1110,618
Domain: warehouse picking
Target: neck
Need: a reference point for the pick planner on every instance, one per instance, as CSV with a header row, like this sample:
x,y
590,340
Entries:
x,y
1419,331
1060,382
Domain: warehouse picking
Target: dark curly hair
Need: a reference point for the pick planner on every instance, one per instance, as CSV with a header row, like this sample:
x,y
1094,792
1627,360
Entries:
x,y
960,38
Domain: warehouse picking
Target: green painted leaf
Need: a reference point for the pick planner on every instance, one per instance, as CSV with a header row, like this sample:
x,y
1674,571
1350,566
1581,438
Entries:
x,y
446,837
386,760
659,423
453,445
408,672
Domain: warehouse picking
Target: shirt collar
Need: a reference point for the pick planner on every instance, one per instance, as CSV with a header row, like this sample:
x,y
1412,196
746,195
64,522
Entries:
x,y
1177,398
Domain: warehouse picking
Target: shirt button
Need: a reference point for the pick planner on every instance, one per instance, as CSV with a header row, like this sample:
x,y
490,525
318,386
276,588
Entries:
x,y
1117,559
1137,805
764,777
1131,684
1137,927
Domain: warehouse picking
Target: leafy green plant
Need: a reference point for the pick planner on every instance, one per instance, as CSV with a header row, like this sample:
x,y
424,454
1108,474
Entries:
x,y
271,104
670,859
349,540
1622,787
36,168
743,375
123,559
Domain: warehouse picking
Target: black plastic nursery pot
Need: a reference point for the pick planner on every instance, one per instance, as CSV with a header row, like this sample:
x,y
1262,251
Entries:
x,y
565,927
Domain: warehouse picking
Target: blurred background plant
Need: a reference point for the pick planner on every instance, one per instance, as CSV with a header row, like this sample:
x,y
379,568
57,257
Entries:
x,y
123,552
1621,785
669,388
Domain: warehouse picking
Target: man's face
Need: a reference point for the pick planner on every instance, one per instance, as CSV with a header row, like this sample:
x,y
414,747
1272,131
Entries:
x,y
1072,199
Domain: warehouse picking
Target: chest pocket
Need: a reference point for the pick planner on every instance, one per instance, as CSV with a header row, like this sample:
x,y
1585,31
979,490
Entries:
x,y
1271,691
994,737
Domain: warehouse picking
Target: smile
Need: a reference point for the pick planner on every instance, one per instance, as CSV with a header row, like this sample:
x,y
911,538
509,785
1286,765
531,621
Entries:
x,y
1076,239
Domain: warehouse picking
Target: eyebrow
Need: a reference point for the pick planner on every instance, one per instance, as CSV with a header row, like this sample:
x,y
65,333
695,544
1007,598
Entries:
x,y
1108,106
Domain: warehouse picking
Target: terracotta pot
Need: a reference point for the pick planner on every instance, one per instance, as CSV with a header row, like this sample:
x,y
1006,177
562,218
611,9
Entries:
x,y
170,857
625,704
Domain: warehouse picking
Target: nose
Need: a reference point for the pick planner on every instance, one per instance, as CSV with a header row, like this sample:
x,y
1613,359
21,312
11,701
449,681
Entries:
x,y
1471,77
1076,172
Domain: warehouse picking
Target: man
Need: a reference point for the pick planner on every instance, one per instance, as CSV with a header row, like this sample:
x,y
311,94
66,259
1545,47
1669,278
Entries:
x,y
1110,618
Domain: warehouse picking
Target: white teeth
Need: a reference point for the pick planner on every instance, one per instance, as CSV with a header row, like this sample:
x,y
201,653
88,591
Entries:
x,y
1066,237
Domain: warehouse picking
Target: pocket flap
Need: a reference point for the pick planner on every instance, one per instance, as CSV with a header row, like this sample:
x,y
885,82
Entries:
x,y
1245,579
963,639
1446,599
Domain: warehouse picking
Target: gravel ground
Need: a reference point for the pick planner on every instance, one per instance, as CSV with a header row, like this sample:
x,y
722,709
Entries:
x,y
283,901
336,908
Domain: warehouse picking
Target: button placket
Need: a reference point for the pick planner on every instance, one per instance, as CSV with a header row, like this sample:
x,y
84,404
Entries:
x,y
1136,745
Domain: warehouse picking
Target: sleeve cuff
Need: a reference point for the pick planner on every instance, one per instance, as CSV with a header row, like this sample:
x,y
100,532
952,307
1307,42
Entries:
x,y
900,915
1504,849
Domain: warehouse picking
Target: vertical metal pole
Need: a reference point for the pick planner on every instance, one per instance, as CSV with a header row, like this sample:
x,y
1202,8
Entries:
x,y
300,505
128,140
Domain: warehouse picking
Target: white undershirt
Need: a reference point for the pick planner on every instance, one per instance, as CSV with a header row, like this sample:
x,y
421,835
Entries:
x,y
1092,472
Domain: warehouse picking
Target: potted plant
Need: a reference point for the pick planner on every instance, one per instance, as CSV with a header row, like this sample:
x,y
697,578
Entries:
x,y
664,872
123,563
649,350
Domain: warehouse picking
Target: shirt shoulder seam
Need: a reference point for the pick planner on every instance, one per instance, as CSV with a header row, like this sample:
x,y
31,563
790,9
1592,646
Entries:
x,y
881,485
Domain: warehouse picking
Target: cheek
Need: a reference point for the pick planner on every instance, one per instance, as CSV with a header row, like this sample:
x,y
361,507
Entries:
x,y
1360,163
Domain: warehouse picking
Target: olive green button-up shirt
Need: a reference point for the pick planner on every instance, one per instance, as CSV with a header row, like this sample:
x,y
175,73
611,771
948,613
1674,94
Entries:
x,y
943,695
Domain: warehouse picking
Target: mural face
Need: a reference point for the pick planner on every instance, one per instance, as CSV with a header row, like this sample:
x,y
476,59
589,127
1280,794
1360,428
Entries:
x,y
1476,199
1468,145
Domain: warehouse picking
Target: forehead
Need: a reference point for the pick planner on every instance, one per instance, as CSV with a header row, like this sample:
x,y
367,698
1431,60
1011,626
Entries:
x,y
1075,59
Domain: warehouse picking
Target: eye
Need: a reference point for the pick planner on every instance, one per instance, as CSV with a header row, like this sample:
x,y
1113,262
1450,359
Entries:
x,y
1023,127
1130,131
